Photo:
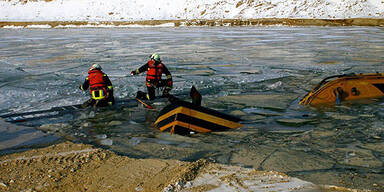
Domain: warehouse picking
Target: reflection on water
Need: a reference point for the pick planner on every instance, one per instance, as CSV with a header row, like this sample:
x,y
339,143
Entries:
x,y
255,73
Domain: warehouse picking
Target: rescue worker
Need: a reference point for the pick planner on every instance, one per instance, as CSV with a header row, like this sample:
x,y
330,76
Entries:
x,y
154,68
100,88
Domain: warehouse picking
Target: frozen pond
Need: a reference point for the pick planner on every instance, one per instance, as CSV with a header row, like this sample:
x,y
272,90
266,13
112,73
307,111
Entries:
x,y
275,66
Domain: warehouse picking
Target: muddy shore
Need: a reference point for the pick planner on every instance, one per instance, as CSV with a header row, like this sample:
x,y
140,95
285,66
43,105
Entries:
x,y
197,22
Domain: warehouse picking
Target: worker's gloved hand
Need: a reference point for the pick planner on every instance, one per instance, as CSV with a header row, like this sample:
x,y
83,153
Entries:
x,y
133,72
81,87
169,84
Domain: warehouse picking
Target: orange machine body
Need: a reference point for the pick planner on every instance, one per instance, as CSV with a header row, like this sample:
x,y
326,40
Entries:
x,y
347,88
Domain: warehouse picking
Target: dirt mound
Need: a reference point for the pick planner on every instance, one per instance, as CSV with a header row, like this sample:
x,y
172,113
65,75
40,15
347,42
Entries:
x,y
79,167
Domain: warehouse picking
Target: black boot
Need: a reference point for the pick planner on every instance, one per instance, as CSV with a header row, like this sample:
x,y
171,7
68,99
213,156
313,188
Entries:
x,y
141,95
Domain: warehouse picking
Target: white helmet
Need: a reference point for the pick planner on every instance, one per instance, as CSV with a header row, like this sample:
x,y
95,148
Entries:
x,y
95,66
155,57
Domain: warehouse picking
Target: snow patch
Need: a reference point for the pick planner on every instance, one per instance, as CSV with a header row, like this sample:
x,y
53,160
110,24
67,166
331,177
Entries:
x,y
38,26
231,178
13,27
132,10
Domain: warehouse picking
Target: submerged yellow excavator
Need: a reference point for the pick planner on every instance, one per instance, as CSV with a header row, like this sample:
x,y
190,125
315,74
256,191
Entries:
x,y
348,87
182,117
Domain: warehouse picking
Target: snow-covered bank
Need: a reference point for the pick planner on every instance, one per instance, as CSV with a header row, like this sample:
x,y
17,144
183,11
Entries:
x,y
134,10
178,23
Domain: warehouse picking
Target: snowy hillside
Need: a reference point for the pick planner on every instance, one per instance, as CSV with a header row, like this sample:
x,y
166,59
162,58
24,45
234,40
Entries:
x,y
137,10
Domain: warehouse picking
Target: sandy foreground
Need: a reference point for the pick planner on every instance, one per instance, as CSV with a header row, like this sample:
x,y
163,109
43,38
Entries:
x,y
79,167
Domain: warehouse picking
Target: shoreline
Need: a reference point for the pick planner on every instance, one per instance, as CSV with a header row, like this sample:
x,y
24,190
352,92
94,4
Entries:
x,y
197,22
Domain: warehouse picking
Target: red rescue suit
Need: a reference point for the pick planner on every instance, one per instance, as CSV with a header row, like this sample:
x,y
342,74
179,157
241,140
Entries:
x,y
154,72
155,69
100,88
97,85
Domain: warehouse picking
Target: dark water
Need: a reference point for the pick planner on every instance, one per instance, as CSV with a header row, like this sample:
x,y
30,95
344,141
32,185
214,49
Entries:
x,y
42,68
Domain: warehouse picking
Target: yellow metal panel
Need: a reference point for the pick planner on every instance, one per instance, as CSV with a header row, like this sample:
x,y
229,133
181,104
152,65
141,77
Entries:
x,y
174,111
200,115
210,118
186,125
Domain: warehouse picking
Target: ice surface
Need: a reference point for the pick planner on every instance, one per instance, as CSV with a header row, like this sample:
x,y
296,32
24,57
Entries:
x,y
43,69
